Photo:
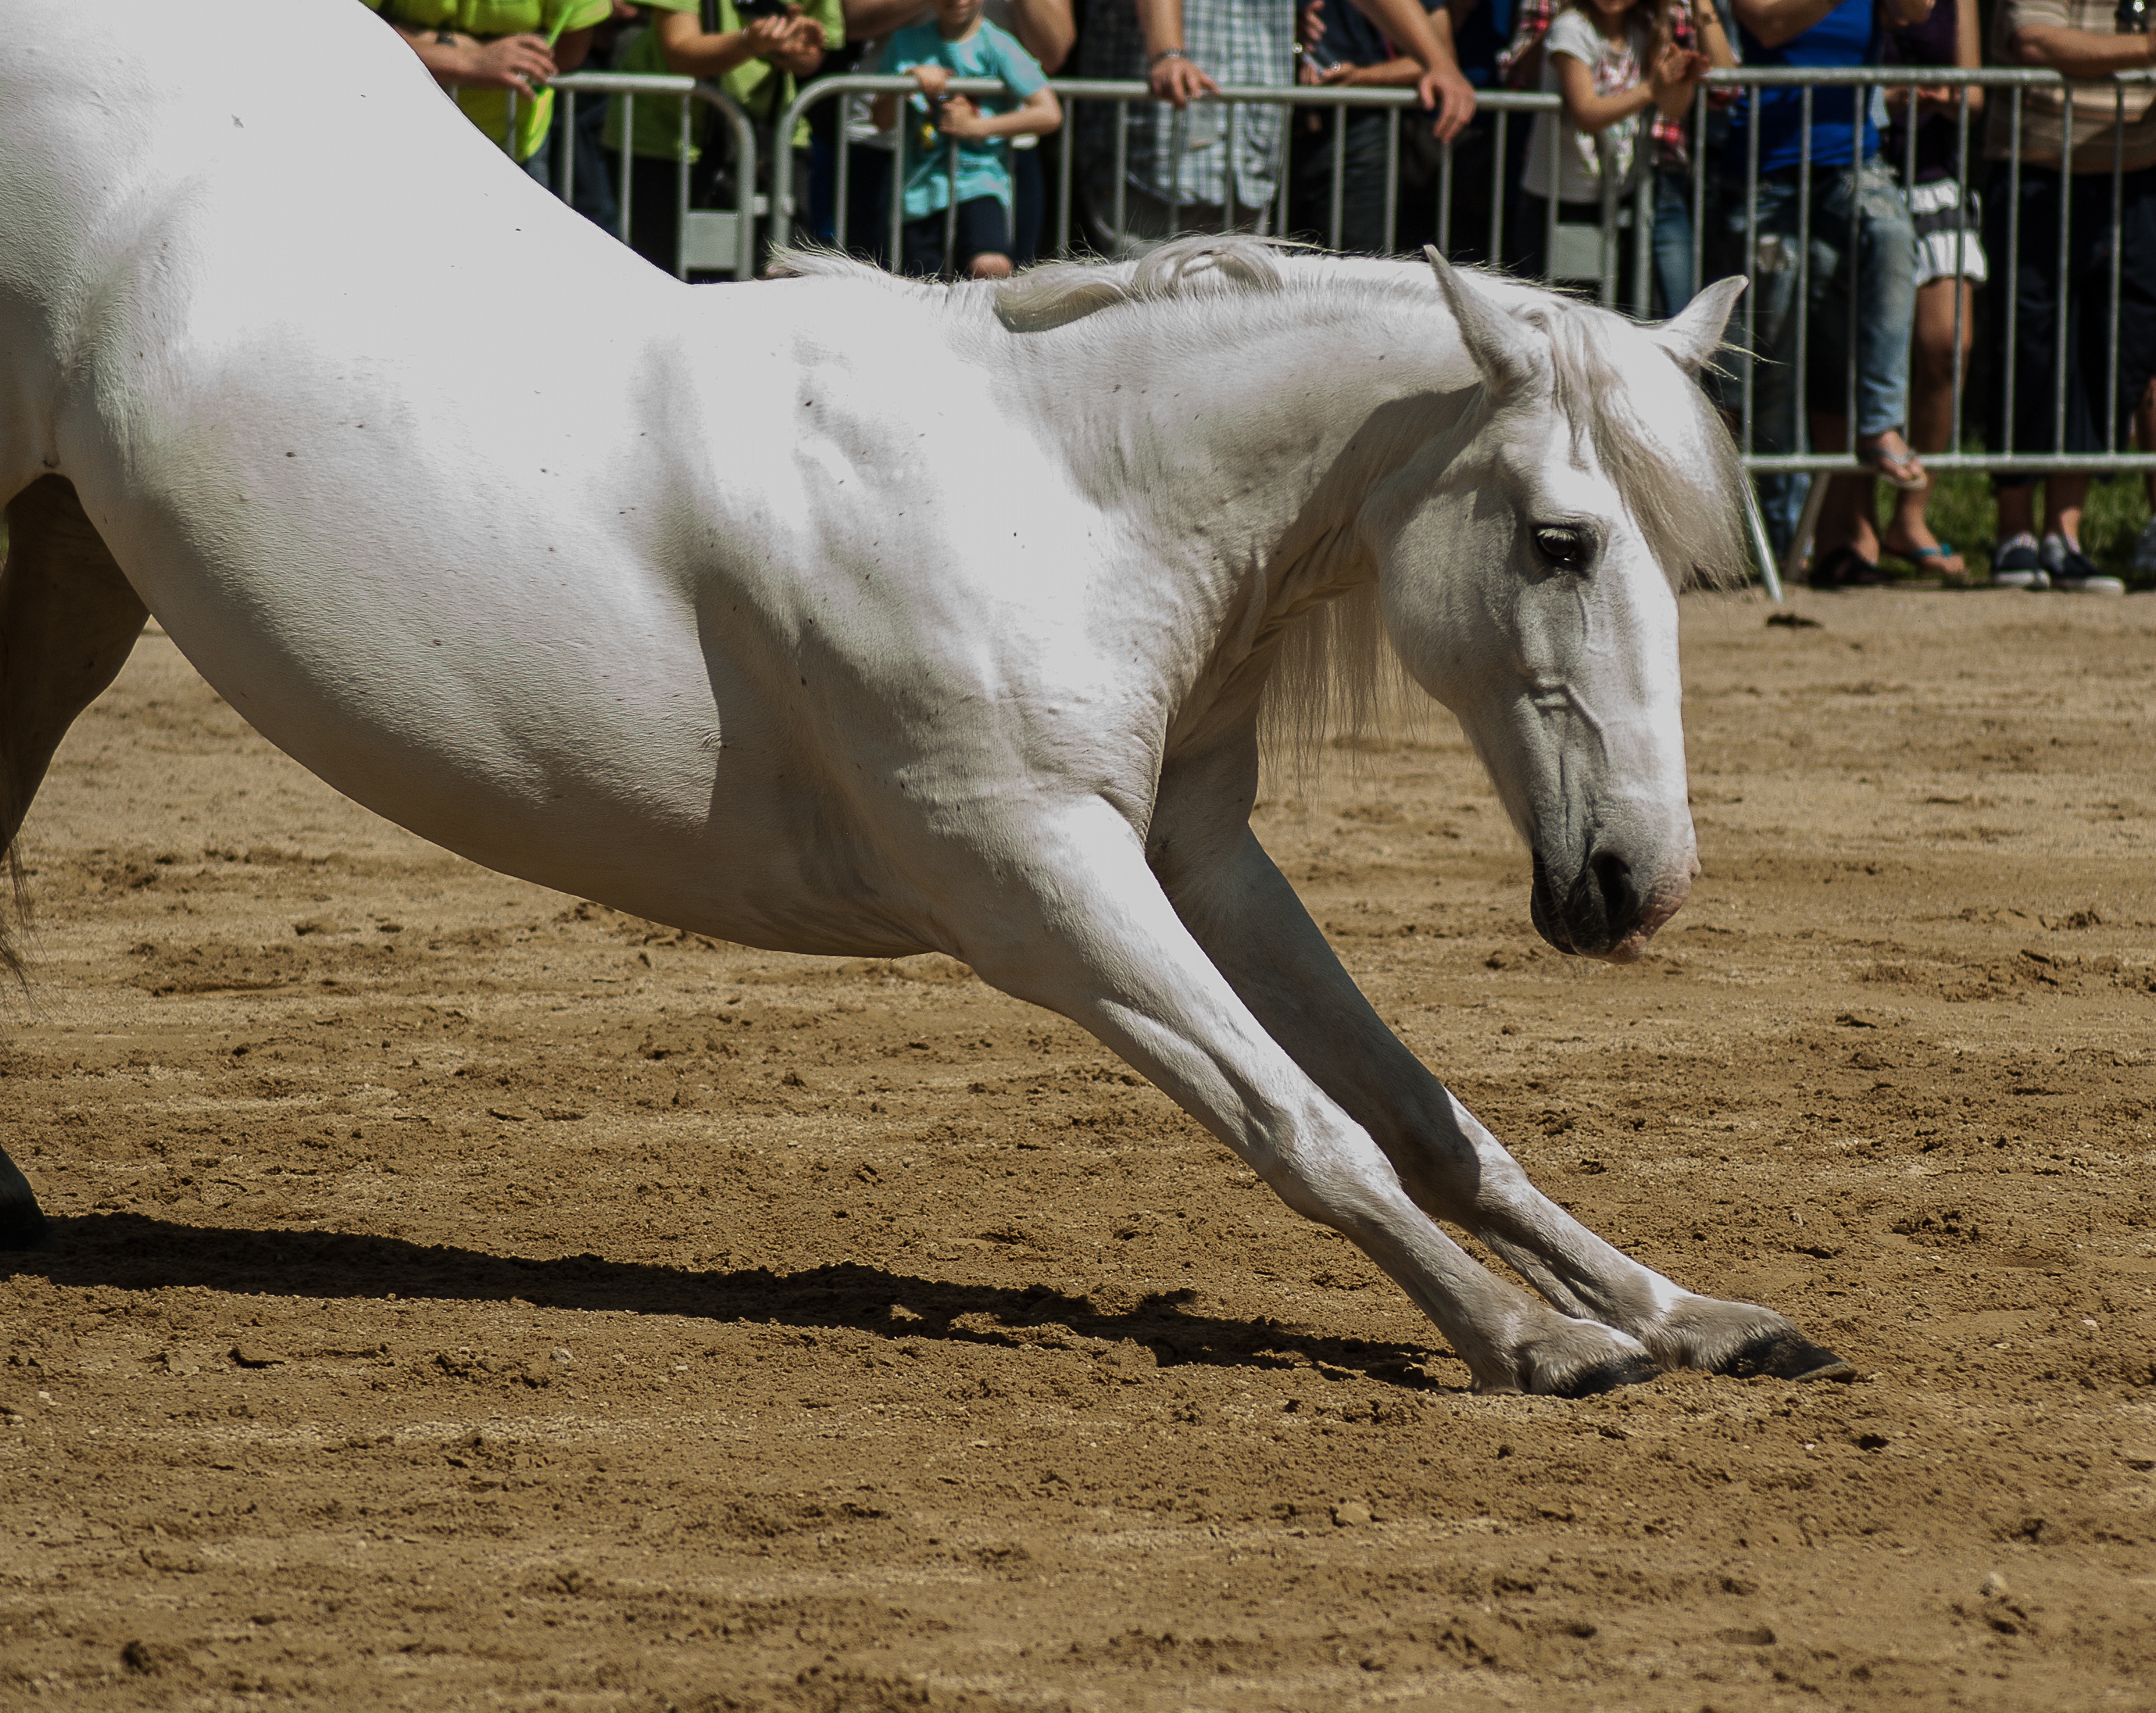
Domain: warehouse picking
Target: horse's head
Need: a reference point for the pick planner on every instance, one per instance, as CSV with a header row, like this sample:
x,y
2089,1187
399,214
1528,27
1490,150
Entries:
x,y
1529,584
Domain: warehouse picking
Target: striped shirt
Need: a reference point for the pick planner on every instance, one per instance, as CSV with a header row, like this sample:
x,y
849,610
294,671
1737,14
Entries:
x,y
1233,42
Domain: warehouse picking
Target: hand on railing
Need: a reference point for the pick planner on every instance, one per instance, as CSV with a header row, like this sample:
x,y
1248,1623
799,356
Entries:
x,y
1940,97
960,118
1447,91
1674,74
1176,79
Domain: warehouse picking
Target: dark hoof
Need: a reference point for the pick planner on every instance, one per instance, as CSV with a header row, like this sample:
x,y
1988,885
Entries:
x,y
22,1221
1785,1356
1608,1377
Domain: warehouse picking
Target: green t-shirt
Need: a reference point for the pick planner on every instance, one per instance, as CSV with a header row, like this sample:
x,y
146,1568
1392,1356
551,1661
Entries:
x,y
760,87
489,108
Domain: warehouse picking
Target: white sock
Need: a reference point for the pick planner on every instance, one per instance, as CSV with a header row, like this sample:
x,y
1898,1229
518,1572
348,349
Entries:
x,y
2024,540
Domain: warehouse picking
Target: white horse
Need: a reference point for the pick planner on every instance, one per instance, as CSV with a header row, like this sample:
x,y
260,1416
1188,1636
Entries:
x,y
842,615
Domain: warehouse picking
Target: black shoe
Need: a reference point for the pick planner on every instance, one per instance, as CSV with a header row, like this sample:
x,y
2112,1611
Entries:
x,y
2076,573
1845,568
2019,568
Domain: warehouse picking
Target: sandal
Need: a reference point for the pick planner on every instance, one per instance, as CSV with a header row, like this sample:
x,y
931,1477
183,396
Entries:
x,y
1930,561
1897,468
1845,568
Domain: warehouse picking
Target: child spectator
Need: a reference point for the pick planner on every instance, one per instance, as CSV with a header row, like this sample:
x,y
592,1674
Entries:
x,y
1695,28
1611,61
960,42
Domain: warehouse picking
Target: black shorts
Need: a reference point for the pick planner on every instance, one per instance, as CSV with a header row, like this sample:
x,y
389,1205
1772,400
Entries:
x,y
984,230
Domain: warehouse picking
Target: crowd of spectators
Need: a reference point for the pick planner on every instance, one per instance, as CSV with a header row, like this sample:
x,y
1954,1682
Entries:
x,y
1913,244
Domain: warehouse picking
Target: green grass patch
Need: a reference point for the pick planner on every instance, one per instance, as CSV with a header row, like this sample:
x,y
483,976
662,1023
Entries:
x,y
1963,512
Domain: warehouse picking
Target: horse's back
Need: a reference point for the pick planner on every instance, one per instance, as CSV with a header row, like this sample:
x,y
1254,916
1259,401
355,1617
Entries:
x,y
614,583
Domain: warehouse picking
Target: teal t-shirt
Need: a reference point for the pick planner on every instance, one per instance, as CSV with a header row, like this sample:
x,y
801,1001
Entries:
x,y
983,169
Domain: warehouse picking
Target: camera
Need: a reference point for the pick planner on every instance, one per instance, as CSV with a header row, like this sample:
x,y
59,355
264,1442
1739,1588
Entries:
x,y
2132,18
749,9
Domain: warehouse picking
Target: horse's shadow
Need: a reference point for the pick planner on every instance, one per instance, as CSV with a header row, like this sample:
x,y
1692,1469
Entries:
x,y
130,1252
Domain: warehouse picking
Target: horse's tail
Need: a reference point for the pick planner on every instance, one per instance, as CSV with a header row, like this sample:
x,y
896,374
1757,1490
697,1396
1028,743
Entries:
x,y
15,912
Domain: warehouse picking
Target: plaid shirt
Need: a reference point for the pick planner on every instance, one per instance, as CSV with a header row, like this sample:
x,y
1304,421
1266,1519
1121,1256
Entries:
x,y
1231,41
1672,145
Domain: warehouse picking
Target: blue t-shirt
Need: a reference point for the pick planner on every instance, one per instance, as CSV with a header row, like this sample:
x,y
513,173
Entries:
x,y
1843,37
982,172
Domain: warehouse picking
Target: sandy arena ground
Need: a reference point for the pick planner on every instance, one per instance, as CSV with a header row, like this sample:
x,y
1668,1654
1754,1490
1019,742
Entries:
x,y
469,1297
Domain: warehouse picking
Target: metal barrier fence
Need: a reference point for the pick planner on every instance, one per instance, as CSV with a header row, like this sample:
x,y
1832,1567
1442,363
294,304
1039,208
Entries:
x,y
707,240
1571,252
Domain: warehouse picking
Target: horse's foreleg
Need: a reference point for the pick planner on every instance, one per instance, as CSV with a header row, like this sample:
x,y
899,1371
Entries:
x,y
1248,918
67,618
1079,924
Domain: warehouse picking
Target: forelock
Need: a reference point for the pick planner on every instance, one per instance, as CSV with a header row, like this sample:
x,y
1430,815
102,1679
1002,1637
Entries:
x,y
1653,433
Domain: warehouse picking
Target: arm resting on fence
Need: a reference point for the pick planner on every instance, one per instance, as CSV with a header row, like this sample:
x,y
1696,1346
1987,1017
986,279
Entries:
x,y
2082,53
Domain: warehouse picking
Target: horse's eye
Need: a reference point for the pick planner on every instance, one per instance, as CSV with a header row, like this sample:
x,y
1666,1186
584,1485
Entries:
x,y
1564,546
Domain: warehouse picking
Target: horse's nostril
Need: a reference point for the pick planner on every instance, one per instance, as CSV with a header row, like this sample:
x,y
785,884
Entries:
x,y
1621,900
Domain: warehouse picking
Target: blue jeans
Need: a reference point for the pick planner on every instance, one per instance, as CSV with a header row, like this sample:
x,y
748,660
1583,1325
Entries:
x,y
1885,266
1673,288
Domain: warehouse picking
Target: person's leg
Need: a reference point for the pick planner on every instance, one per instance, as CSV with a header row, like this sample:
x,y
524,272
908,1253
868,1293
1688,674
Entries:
x,y
2102,391
2066,495
2136,391
654,222
1845,544
984,242
1527,236
1362,213
2141,561
2023,420
1029,202
591,183
1934,361
920,243
1886,288
821,207
1672,241
1466,237
1773,329
1310,175
2144,436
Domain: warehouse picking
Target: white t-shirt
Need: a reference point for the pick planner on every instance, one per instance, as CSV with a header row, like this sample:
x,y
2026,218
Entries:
x,y
1613,66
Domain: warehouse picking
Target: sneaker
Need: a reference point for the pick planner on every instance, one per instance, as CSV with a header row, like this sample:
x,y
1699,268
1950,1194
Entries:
x,y
2015,565
2142,561
2076,574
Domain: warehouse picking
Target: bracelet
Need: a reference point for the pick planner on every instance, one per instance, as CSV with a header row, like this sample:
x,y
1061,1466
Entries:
x,y
1166,53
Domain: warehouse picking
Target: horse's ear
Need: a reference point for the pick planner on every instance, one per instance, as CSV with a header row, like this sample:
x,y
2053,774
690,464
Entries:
x,y
1692,338
1505,352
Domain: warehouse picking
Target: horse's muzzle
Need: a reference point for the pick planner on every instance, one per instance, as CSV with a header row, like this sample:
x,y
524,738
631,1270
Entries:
x,y
1603,912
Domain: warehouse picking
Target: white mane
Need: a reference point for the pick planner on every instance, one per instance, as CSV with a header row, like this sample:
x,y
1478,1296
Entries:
x,y
1331,672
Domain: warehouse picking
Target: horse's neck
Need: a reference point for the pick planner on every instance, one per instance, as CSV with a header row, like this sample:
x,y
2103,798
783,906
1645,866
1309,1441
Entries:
x,y
1242,456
